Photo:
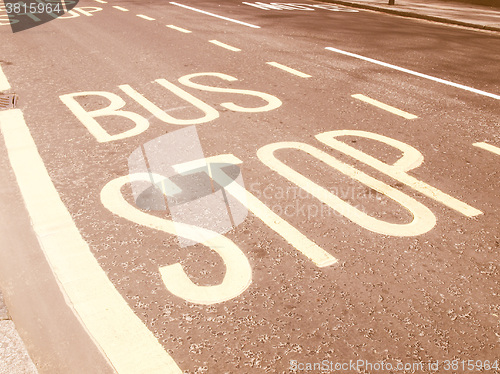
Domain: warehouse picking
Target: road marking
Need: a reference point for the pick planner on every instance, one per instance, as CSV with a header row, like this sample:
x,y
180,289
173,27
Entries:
x,y
290,70
299,241
89,10
114,109
272,101
209,113
4,83
383,106
120,8
439,80
145,17
179,29
423,219
296,6
411,159
238,275
99,1
114,327
216,15
223,45
488,147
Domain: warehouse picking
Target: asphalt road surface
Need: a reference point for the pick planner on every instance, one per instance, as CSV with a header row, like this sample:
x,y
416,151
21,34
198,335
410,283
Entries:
x,y
356,229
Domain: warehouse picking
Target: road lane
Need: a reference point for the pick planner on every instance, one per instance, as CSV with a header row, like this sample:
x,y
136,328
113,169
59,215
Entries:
x,y
424,292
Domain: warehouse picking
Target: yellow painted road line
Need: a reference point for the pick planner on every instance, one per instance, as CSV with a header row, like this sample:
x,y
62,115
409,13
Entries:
x,y
488,147
4,83
127,343
223,45
383,106
439,80
215,15
179,29
120,8
289,70
145,17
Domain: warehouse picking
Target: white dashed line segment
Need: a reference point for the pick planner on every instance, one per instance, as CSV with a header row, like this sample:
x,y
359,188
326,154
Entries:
x,y
289,70
120,8
383,106
145,17
223,45
179,29
487,147
215,15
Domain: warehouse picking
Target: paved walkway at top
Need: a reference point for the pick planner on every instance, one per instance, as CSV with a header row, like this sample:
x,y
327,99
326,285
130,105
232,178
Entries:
x,y
458,13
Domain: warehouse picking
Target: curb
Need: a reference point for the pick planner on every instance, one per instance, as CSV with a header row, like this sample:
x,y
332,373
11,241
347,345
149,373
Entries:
x,y
409,14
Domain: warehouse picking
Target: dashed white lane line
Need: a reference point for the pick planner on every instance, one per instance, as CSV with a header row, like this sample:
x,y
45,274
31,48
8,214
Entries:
x,y
99,1
179,29
4,83
488,147
145,17
289,70
215,15
120,8
383,106
223,45
439,80
128,344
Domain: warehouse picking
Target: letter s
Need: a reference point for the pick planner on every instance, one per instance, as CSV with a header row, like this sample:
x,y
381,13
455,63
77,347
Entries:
x,y
238,271
272,101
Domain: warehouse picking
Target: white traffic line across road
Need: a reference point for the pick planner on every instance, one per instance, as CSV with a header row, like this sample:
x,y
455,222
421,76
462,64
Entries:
x,y
487,147
216,15
179,29
383,106
223,45
288,69
120,8
145,17
457,85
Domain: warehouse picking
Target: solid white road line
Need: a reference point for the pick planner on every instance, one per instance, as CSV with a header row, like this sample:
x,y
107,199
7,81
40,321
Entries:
x,y
383,106
145,17
127,343
120,8
289,70
457,85
216,15
223,45
179,29
4,83
487,147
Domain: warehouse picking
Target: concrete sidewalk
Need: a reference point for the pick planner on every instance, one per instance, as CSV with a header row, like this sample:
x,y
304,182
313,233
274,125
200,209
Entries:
x,y
456,13
14,358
